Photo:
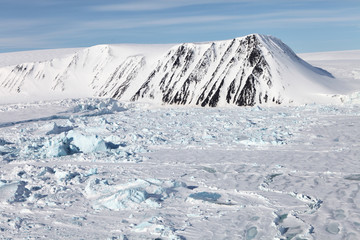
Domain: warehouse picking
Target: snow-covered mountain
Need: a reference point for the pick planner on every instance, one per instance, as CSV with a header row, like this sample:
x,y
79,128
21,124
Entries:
x,y
245,71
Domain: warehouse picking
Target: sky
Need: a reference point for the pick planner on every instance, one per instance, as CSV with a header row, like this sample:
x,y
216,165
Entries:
x,y
304,25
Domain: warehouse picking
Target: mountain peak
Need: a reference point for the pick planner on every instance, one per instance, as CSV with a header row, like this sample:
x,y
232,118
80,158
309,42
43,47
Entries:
x,y
245,71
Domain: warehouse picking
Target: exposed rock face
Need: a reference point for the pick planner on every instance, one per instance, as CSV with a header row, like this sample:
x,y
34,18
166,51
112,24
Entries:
x,y
243,71
235,71
123,76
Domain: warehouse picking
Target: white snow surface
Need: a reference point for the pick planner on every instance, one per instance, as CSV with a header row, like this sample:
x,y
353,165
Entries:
x,y
104,169
15,58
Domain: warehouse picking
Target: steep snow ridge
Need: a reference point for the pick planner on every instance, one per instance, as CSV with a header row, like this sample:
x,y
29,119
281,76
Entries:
x,y
15,58
212,74
83,74
245,71
170,73
300,81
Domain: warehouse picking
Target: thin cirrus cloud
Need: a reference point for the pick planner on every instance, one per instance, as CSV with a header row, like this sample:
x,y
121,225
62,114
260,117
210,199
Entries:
x,y
156,5
142,5
275,19
66,23
28,42
18,24
144,22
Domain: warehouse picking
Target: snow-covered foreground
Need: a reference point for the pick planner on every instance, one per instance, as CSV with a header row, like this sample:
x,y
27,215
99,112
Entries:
x,y
101,169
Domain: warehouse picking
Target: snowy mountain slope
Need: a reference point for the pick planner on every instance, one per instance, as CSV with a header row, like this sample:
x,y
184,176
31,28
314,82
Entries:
x,y
82,74
15,58
245,71
344,65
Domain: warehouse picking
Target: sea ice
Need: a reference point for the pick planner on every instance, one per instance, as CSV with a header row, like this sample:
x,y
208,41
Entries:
x,y
148,173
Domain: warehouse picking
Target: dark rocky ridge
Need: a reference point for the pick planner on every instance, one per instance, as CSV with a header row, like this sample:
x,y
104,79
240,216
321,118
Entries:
x,y
243,71
177,87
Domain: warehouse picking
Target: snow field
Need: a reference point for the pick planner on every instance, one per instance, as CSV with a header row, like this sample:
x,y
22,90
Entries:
x,y
98,168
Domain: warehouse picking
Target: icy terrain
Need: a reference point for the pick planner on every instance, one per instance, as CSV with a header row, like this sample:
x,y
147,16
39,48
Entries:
x,y
102,169
89,168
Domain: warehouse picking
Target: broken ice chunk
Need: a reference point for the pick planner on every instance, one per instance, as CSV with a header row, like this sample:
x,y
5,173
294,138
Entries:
x,y
59,129
14,192
4,142
123,199
87,144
